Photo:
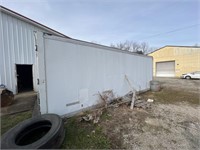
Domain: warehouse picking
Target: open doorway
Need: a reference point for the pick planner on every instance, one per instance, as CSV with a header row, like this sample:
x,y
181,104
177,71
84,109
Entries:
x,y
24,78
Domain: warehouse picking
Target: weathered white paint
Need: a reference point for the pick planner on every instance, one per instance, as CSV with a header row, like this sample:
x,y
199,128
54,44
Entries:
x,y
75,71
42,75
17,46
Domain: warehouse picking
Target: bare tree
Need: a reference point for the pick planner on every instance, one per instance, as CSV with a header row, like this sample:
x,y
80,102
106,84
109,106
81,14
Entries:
x,y
135,47
141,48
123,46
144,47
127,45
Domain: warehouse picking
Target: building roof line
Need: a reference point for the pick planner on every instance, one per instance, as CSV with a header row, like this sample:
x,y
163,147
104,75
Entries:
x,y
173,46
13,13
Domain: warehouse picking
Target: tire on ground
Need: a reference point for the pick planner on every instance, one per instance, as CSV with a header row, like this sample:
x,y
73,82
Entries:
x,y
44,132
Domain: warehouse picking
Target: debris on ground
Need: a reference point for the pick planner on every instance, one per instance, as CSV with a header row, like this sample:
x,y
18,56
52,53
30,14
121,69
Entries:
x,y
139,102
93,116
150,100
107,97
88,117
133,92
142,104
110,100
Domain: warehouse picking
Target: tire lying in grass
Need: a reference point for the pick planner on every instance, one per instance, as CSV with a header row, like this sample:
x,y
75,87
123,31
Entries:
x,y
44,132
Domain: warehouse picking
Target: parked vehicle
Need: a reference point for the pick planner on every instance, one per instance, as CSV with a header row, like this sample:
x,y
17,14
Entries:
x,y
192,75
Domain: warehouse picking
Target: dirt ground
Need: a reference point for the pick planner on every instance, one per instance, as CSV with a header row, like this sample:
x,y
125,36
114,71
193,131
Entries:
x,y
169,124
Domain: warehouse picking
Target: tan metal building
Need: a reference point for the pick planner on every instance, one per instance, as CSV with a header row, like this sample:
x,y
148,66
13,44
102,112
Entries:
x,y
173,61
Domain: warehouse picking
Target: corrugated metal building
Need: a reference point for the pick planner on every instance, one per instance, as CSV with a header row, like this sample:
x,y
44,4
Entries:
x,y
68,73
173,61
17,46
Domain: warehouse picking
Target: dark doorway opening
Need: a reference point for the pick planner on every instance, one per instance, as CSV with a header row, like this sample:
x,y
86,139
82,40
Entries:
x,y
24,78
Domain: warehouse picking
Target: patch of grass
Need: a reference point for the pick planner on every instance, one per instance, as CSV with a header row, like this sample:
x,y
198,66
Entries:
x,y
84,135
77,134
10,121
105,116
173,96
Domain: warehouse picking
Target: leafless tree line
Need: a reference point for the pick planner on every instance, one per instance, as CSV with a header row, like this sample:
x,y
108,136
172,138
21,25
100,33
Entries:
x,y
140,48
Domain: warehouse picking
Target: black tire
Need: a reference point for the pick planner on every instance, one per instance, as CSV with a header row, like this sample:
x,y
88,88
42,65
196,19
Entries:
x,y
24,135
187,77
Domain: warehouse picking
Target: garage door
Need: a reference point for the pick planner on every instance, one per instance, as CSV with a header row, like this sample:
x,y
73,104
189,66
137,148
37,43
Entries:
x,y
165,69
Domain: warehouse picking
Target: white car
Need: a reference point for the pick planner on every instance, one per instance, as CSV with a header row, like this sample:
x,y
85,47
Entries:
x,y
192,75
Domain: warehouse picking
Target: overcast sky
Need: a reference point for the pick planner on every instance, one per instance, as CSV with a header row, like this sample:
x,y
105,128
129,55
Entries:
x,y
158,22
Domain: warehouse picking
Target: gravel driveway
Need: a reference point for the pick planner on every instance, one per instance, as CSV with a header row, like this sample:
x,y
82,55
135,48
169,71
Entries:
x,y
173,122
180,84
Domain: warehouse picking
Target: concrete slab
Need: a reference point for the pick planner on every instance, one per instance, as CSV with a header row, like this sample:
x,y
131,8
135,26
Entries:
x,y
22,102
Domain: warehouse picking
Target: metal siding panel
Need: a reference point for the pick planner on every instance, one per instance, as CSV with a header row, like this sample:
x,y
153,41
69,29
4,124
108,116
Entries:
x,y
4,76
12,53
21,54
29,56
25,45
22,43
17,47
6,54
9,53
1,49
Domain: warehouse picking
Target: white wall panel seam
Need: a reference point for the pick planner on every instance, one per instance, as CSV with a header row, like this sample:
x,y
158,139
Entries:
x,y
13,52
8,55
26,46
1,48
18,45
3,51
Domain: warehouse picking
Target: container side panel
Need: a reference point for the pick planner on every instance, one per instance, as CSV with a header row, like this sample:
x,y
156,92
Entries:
x,y
76,73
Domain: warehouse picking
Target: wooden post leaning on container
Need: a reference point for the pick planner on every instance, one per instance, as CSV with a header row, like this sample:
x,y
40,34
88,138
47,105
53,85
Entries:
x,y
133,91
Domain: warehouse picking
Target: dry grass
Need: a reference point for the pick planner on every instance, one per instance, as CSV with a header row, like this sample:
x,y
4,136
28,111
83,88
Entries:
x,y
170,96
